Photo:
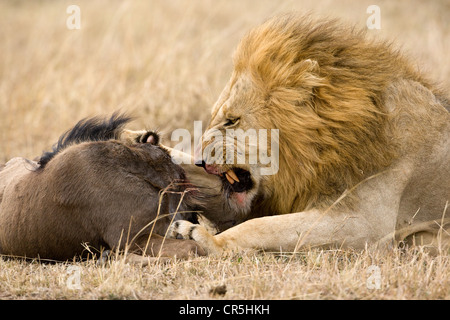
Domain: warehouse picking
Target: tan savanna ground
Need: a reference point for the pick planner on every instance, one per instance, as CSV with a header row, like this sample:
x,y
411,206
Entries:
x,y
167,61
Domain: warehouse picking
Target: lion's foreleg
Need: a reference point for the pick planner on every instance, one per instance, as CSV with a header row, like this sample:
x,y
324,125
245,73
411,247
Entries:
x,y
284,232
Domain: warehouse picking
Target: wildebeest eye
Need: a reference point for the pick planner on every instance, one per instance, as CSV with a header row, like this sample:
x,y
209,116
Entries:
x,y
149,137
231,122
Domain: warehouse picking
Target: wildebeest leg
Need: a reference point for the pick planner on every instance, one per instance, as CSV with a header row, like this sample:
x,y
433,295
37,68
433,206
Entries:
x,y
157,245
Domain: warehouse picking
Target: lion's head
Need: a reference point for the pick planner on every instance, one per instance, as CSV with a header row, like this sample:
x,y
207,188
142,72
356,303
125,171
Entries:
x,y
321,85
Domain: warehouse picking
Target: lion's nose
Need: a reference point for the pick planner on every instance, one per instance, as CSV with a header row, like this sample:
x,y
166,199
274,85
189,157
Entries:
x,y
201,164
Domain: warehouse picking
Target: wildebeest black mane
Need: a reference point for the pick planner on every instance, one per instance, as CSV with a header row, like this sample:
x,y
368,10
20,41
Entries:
x,y
88,129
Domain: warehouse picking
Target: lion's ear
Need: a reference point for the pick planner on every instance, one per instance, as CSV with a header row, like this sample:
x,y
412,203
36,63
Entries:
x,y
310,65
306,74
299,84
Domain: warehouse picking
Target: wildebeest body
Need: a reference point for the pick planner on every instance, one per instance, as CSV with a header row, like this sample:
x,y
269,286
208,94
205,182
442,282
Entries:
x,y
98,192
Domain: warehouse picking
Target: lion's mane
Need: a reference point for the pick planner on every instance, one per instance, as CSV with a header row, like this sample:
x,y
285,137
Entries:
x,y
322,84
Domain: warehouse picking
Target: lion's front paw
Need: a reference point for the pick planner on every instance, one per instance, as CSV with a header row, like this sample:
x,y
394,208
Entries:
x,y
182,229
186,230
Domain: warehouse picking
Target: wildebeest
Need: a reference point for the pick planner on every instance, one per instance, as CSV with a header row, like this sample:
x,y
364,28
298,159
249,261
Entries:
x,y
99,188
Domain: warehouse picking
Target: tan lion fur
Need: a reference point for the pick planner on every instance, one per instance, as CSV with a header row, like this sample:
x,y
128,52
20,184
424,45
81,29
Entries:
x,y
353,114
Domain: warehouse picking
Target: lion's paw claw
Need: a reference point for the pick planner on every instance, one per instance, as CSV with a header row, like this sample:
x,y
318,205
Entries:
x,y
181,229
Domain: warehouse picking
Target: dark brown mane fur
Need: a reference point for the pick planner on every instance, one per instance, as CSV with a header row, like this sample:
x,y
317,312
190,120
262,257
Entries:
x,y
88,129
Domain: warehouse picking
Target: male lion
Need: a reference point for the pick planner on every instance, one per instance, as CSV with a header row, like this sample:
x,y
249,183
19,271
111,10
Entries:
x,y
101,185
364,142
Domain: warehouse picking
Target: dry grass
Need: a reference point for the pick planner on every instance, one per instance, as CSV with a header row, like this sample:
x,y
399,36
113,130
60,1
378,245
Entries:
x,y
314,274
167,61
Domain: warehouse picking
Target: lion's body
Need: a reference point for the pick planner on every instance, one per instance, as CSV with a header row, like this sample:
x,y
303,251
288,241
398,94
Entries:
x,y
364,147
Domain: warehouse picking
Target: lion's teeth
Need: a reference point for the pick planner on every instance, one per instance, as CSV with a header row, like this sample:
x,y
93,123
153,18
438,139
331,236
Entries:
x,y
230,180
233,175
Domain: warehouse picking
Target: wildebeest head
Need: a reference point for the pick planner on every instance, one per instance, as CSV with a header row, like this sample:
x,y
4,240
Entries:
x,y
135,169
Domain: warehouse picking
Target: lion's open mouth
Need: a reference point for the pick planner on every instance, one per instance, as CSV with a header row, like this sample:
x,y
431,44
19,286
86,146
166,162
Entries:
x,y
237,184
237,180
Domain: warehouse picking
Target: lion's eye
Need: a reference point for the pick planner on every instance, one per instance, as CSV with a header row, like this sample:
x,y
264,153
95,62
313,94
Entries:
x,y
230,122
